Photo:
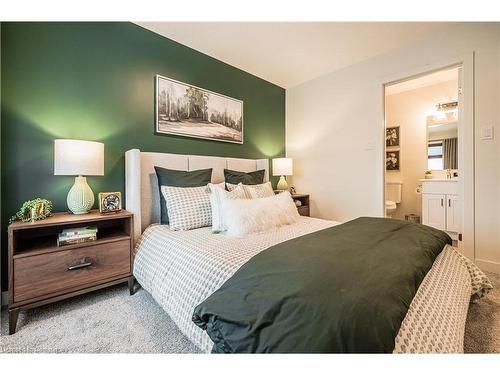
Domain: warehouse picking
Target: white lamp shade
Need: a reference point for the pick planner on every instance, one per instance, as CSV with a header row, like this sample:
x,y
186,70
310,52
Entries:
x,y
282,167
78,158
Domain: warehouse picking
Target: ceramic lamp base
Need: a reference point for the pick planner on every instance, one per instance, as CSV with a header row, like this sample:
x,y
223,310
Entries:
x,y
282,185
80,197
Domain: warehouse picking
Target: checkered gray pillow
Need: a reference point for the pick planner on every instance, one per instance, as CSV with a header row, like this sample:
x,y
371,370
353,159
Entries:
x,y
259,191
254,191
188,207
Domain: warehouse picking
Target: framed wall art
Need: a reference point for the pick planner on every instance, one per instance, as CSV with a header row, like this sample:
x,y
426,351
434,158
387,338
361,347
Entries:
x,y
190,111
392,160
392,137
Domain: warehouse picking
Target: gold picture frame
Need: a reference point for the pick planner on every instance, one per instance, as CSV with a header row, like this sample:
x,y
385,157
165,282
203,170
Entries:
x,y
110,202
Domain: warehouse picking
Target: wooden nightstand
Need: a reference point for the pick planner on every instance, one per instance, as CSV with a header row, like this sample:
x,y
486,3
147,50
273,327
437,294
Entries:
x,y
41,272
304,199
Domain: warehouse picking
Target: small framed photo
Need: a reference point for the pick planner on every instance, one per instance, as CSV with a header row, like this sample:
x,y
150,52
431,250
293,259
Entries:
x,y
392,161
392,137
110,202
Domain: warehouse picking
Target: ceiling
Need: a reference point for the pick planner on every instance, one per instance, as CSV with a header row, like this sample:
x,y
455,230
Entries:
x,y
423,81
290,53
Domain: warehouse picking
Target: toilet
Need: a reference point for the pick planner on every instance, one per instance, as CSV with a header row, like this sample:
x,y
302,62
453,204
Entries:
x,y
392,196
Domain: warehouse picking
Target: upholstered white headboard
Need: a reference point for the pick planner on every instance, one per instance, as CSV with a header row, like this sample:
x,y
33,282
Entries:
x,y
141,186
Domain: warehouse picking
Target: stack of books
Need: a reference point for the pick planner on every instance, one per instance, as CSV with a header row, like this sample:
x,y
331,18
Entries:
x,y
77,235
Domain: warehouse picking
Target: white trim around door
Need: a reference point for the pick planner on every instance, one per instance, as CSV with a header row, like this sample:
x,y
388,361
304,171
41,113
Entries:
x,y
466,137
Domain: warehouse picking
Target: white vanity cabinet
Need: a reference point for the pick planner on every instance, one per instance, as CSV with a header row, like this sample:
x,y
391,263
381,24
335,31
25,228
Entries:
x,y
441,206
433,210
453,213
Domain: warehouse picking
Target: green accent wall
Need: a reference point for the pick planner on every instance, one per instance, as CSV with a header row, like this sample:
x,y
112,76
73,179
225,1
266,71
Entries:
x,y
95,81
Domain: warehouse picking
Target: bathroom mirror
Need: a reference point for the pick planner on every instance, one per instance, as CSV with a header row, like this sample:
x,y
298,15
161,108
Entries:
x,y
442,143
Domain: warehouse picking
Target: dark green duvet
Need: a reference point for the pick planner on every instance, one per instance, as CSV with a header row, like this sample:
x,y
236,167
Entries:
x,y
344,289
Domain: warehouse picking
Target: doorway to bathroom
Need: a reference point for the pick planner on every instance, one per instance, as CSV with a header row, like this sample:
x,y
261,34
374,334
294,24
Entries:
x,y
423,144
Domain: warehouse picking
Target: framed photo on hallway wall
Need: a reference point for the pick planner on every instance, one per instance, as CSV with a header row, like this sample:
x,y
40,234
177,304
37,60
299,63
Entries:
x,y
392,137
190,111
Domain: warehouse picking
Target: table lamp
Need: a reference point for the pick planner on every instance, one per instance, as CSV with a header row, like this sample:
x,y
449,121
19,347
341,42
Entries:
x,y
282,167
79,158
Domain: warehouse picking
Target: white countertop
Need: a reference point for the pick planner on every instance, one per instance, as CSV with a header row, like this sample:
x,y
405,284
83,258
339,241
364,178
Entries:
x,y
439,179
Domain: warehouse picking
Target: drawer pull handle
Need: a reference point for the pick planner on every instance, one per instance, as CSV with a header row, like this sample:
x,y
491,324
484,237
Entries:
x,y
78,266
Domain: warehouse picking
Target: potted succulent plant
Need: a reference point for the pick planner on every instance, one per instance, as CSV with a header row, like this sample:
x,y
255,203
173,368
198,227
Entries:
x,y
33,210
428,174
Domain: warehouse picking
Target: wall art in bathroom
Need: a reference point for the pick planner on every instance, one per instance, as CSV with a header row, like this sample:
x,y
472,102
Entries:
x,y
392,161
392,137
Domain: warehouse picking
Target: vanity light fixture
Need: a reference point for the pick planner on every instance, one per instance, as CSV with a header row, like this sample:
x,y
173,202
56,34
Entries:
x,y
447,106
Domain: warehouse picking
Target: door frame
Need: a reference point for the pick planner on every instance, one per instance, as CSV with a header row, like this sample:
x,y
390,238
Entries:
x,y
466,157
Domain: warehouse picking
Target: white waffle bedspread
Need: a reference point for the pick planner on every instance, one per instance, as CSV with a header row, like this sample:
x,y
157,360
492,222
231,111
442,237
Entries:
x,y
180,269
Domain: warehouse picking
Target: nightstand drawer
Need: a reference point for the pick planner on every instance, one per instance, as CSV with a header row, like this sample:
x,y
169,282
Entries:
x,y
303,210
43,274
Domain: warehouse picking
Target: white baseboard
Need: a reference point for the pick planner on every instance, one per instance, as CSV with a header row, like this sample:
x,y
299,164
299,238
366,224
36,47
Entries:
x,y
488,265
5,298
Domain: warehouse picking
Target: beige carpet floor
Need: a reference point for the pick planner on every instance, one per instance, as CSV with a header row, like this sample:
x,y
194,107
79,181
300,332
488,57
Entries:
x,y
111,321
482,330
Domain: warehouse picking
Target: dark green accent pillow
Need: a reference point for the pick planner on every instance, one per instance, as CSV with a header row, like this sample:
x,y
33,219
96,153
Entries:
x,y
246,178
171,177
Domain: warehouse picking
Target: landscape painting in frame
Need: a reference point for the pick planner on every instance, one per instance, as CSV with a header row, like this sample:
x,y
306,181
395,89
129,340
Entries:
x,y
190,111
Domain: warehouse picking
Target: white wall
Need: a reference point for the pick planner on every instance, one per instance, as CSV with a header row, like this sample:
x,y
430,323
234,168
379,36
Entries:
x,y
409,111
335,131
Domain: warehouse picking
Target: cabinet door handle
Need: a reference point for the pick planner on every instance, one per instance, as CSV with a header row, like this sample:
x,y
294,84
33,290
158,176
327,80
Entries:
x,y
449,202
73,267
442,202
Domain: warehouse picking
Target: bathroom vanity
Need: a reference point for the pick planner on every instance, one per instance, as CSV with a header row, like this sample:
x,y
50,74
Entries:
x,y
441,206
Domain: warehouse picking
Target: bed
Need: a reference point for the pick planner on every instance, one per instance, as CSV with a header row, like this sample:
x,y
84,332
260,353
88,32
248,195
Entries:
x,y
181,269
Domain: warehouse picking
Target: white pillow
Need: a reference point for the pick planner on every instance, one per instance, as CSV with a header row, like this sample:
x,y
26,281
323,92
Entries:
x,y
245,216
259,191
231,187
221,185
188,207
255,191
218,196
